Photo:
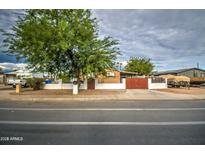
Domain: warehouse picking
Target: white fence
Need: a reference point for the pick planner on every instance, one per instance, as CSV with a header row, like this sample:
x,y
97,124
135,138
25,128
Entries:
x,y
65,86
105,85
59,86
157,85
110,85
84,85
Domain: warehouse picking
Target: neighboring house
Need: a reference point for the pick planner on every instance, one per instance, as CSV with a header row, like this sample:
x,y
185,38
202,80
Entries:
x,y
23,73
115,76
189,72
29,74
9,77
196,75
1,77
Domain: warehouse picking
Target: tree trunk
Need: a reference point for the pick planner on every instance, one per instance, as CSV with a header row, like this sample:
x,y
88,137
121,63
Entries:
x,y
78,78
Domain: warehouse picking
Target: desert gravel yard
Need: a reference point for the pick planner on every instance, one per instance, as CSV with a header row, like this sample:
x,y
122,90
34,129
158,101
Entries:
x,y
29,91
27,94
193,91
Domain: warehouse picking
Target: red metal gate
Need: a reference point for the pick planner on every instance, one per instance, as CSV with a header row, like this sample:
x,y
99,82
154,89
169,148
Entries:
x,y
91,84
136,83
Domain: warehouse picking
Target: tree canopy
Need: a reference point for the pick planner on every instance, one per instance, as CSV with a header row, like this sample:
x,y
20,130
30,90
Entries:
x,y
142,66
61,42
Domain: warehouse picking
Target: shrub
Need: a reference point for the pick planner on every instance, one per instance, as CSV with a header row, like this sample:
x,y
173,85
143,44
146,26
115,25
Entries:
x,y
35,83
65,78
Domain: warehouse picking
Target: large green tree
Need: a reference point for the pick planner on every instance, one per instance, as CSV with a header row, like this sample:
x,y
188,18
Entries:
x,y
142,66
61,42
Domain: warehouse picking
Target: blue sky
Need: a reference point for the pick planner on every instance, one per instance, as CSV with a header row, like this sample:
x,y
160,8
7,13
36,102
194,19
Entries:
x,y
171,38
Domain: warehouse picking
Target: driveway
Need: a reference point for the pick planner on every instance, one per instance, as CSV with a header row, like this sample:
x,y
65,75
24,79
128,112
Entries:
x,y
159,95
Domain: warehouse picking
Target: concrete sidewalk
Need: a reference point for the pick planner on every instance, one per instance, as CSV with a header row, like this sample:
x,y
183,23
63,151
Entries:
x,y
123,95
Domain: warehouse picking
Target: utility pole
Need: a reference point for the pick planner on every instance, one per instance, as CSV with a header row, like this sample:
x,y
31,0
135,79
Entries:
x,y
197,65
119,65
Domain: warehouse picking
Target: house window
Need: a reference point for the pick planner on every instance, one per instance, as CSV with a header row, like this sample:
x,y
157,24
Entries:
x,y
110,74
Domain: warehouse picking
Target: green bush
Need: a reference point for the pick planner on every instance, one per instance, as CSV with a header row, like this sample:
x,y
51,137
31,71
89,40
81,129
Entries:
x,y
65,78
35,83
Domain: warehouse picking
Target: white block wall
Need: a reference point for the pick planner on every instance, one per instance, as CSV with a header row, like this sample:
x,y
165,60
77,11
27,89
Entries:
x,y
64,86
105,85
84,85
58,86
156,85
110,85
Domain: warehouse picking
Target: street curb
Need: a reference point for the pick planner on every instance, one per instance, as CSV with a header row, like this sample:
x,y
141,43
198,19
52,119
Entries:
x,y
96,99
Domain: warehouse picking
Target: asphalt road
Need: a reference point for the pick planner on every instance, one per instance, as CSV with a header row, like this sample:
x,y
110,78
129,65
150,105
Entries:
x,y
125,122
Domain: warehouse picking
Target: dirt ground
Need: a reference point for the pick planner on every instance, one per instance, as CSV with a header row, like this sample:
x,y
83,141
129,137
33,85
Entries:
x,y
28,91
194,91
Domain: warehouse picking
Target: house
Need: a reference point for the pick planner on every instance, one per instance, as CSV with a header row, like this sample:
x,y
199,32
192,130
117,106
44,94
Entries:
x,y
126,74
114,79
115,76
189,72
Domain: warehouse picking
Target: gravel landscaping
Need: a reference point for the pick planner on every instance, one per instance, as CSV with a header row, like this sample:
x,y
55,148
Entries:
x,y
28,91
193,91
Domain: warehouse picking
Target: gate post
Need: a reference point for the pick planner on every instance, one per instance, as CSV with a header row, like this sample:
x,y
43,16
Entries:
x,y
149,83
124,83
75,88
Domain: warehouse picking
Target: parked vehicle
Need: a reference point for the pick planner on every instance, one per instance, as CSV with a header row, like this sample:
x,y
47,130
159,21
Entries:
x,y
197,81
177,81
22,82
10,81
202,85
